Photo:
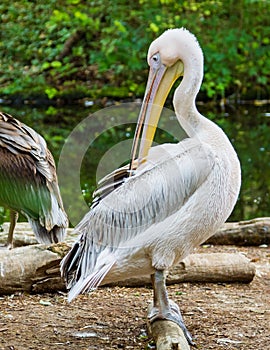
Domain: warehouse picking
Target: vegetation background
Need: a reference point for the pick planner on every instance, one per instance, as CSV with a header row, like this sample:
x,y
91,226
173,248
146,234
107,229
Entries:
x,y
74,48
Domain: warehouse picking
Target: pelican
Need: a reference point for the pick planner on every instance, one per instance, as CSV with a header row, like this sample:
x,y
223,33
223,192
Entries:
x,y
29,183
146,218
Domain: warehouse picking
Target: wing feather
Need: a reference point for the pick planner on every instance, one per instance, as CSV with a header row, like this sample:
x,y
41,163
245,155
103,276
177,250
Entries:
x,y
158,188
28,179
18,138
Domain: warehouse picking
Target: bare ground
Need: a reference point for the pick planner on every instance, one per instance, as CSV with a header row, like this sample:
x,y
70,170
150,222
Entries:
x,y
231,316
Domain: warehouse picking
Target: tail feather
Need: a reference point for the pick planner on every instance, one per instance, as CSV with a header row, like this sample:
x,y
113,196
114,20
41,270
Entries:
x,y
85,266
52,222
55,235
69,265
89,283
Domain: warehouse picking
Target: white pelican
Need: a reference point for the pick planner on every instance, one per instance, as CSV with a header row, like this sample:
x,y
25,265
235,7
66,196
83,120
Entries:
x,y
178,194
28,181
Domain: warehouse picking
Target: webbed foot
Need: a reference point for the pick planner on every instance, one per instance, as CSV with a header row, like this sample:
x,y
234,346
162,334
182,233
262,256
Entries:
x,y
172,313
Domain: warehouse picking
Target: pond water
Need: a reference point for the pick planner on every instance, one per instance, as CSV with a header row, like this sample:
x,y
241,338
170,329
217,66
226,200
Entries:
x,y
101,143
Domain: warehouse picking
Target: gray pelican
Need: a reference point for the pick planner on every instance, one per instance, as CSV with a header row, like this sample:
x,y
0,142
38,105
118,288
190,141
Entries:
x,y
176,197
28,182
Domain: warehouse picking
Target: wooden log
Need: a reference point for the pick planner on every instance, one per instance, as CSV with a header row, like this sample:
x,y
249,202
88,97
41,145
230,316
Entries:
x,y
35,268
168,335
213,268
253,232
243,233
24,235
205,267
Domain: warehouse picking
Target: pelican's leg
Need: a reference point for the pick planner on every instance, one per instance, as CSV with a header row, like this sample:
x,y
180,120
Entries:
x,y
13,220
163,308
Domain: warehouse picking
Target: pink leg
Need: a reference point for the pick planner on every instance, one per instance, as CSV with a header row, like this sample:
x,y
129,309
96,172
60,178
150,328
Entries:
x,y
163,308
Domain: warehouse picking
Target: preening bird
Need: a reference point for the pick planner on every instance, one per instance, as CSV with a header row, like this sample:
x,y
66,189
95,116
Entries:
x,y
28,181
176,197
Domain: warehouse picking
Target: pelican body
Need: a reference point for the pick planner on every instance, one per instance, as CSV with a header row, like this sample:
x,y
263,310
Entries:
x,y
173,197
28,181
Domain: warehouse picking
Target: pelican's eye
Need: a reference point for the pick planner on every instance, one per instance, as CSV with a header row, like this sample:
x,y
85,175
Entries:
x,y
155,60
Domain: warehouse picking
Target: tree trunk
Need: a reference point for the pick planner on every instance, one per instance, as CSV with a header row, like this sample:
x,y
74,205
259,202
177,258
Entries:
x,y
35,268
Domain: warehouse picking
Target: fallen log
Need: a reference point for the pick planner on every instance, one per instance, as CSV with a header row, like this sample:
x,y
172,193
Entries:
x,y
253,232
205,268
167,335
35,268
24,235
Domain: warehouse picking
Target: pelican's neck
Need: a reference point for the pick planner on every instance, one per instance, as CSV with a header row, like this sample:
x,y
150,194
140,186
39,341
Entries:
x,y
185,95
195,124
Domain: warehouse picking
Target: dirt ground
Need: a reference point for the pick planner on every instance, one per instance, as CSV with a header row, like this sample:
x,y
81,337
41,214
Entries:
x,y
219,316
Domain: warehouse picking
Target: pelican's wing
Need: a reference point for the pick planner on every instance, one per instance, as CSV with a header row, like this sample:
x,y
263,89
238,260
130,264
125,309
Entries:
x,y
157,190
21,189
28,179
20,138
111,181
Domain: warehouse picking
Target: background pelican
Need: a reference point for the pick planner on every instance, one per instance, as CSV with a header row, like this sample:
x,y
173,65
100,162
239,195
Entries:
x,y
28,181
177,196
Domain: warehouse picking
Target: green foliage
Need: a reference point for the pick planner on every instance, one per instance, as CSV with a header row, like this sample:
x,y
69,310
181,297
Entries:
x,y
99,48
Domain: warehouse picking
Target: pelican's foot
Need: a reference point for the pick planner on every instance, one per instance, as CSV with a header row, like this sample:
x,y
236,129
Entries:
x,y
171,314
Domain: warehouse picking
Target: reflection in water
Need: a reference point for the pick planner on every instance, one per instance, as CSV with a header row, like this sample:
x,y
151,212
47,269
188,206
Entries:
x,y
246,126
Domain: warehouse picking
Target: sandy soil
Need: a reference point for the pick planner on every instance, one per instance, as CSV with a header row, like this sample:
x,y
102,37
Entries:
x,y
229,316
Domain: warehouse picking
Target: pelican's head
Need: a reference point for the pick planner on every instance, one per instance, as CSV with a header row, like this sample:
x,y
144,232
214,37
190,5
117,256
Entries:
x,y
175,45
168,55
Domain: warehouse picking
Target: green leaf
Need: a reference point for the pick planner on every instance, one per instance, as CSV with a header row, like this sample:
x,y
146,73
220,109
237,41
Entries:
x,y
51,92
154,27
56,64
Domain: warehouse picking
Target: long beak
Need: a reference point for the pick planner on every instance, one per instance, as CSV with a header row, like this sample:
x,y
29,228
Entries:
x,y
159,84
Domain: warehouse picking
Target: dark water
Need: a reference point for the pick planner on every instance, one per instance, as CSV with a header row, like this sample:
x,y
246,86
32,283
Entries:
x,y
103,142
